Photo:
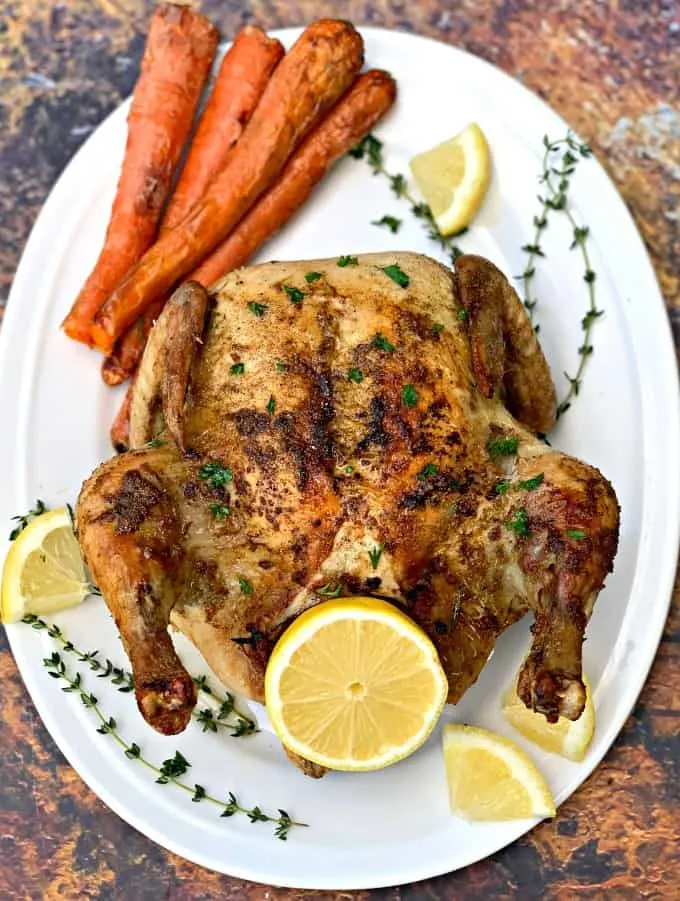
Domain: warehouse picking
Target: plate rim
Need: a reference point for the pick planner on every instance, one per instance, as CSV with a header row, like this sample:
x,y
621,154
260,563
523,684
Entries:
x,y
672,534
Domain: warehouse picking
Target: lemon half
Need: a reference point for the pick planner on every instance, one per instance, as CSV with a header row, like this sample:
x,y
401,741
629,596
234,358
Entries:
x,y
491,778
454,177
570,739
44,570
354,684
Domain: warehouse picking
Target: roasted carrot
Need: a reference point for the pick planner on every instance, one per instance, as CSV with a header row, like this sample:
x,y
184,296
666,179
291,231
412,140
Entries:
x,y
367,101
120,430
369,98
243,76
179,51
123,360
311,77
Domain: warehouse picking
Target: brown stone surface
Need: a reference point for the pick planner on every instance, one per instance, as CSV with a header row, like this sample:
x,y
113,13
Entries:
x,y
607,68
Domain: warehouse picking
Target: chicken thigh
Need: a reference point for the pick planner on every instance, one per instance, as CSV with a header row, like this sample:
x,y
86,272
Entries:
x,y
342,427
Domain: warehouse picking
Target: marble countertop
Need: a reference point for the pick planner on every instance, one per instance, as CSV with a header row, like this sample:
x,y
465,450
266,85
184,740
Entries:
x,y
609,67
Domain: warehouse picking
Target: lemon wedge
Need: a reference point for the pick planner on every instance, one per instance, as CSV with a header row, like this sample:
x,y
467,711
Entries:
x,y
491,778
354,684
454,177
44,571
567,738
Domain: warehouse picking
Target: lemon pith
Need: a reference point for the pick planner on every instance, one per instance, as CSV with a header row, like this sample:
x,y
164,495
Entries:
x,y
354,684
43,571
454,177
492,778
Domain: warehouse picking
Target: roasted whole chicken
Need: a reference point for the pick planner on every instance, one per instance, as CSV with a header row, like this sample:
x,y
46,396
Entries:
x,y
366,426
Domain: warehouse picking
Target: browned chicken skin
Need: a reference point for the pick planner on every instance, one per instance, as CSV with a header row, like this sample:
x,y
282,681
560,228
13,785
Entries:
x,y
366,416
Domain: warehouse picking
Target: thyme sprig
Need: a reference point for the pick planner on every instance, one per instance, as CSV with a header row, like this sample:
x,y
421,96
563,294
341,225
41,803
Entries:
x,y
370,150
556,179
124,681
22,521
170,771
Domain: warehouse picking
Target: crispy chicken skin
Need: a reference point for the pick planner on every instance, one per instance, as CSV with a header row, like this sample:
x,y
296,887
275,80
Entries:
x,y
367,415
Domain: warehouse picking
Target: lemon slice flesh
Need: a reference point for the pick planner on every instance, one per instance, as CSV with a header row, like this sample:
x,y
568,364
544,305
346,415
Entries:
x,y
570,739
491,778
44,570
354,684
454,177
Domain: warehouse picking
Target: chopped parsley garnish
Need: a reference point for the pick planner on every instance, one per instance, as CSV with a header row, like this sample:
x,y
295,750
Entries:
x,y
258,309
155,442
397,275
348,261
502,447
527,485
389,222
462,315
295,294
519,522
245,586
238,369
271,405
220,511
375,555
430,469
349,469
313,277
532,483
409,396
437,327
330,590
215,474
576,534
281,367
381,342
355,375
